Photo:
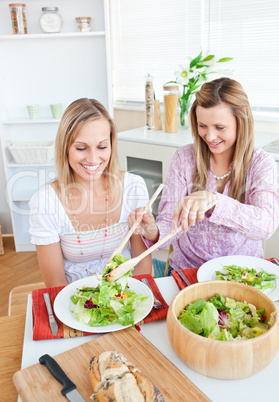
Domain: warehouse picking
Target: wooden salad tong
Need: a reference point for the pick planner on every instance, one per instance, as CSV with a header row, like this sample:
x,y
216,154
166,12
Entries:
x,y
122,269
119,249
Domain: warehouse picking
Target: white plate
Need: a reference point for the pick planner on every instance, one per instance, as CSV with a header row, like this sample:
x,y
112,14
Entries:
x,y
63,305
207,271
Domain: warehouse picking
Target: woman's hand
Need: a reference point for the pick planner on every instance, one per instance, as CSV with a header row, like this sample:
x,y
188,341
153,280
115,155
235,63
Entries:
x,y
192,208
147,226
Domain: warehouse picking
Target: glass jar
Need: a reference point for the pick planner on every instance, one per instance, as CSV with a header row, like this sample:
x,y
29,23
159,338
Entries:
x,y
149,102
50,20
18,18
83,24
170,106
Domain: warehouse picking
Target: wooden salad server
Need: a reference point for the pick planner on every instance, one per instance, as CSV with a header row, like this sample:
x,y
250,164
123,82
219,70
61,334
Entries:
x,y
122,269
119,249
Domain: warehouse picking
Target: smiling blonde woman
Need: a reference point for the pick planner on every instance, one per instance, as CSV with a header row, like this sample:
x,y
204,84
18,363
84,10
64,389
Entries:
x,y
80,218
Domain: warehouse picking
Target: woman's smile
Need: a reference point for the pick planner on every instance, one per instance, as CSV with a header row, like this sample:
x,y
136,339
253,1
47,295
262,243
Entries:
x,y
91,168
214,144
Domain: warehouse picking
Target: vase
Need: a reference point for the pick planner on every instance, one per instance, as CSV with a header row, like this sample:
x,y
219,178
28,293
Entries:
x,y
185,104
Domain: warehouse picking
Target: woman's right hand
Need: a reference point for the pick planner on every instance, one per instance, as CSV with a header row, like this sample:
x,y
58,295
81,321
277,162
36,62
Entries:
x,y
192,208
147,226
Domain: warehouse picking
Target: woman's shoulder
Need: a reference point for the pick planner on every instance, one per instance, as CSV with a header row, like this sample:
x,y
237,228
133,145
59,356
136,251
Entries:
x,y
262,157
44,189
184,156
45,192
132,178
187,151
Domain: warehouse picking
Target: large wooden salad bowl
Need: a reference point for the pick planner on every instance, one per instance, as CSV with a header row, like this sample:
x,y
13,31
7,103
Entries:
x,y
227,360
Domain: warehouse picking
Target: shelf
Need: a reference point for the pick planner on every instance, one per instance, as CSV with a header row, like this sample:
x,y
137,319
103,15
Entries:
x,y
52,68
51,36
44,120
23,195
12,164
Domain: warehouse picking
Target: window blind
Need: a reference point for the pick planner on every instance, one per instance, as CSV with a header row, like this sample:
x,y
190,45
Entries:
x,y
156,36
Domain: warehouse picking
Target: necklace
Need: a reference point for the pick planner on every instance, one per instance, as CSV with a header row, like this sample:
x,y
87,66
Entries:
x,y
222,177
79,232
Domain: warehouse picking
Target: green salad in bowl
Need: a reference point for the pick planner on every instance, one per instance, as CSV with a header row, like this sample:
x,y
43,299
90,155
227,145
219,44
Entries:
x,y
225,319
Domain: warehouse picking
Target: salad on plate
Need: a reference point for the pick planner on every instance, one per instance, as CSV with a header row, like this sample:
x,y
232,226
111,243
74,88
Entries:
x,y
109,302
225,319
259,279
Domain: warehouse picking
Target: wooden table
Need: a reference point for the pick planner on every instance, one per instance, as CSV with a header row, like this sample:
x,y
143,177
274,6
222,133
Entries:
x,y
11,339
12,336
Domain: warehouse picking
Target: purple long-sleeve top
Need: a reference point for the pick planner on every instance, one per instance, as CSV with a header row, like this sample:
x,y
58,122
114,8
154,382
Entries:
x,y
233,228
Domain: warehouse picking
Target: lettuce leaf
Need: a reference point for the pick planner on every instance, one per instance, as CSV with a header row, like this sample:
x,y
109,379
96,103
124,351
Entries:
x,y
209,317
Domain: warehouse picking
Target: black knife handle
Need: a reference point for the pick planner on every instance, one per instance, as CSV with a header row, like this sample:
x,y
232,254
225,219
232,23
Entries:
x,y
58,373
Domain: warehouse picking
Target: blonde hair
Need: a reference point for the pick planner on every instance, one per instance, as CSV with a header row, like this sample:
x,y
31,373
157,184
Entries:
x,y
74,118
212,94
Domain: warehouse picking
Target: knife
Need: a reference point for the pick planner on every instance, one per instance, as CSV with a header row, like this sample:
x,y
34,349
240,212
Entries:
x,y
69,388
182,276
52,321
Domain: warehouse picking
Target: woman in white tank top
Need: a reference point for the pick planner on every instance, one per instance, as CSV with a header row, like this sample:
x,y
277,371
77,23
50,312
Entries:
x,y
78,220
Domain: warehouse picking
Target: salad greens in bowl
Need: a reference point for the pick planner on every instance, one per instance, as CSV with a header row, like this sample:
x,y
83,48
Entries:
x,y
223,329
225,319
95,305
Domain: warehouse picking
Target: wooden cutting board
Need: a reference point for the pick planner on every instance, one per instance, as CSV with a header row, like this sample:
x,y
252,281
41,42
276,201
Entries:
x,y
35,383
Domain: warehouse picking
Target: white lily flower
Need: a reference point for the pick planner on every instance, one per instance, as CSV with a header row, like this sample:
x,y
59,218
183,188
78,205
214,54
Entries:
x,y
210,62
200,70
210,69
183,75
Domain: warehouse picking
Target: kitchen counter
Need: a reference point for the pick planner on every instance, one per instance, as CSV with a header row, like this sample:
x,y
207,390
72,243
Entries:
x,y
182,137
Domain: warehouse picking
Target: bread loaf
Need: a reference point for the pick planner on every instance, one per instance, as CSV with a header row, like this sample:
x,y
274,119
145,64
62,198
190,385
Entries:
x,y
114,379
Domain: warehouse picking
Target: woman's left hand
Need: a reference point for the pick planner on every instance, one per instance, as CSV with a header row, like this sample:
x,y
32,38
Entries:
x,y
192,208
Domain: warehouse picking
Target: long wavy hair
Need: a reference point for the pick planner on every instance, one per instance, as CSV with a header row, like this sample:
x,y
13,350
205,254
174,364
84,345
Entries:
x,y
77,114
212,94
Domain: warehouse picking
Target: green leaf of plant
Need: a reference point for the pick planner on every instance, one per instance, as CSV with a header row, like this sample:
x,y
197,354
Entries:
x,y
196,60
224,59
207,58
195,87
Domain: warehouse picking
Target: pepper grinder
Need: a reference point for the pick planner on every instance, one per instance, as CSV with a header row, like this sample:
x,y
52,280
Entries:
x,y
149,102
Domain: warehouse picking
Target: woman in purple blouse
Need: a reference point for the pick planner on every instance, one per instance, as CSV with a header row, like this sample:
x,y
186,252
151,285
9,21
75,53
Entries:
x,y
221,189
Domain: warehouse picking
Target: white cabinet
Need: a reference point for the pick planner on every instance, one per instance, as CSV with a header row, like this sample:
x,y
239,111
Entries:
x,y
150,161
44,69
149,154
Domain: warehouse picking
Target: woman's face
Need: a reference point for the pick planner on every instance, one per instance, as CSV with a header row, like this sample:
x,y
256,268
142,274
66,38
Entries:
x,y
90,152
217,126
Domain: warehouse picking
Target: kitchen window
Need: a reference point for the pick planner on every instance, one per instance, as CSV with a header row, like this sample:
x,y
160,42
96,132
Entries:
x,y
156,36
